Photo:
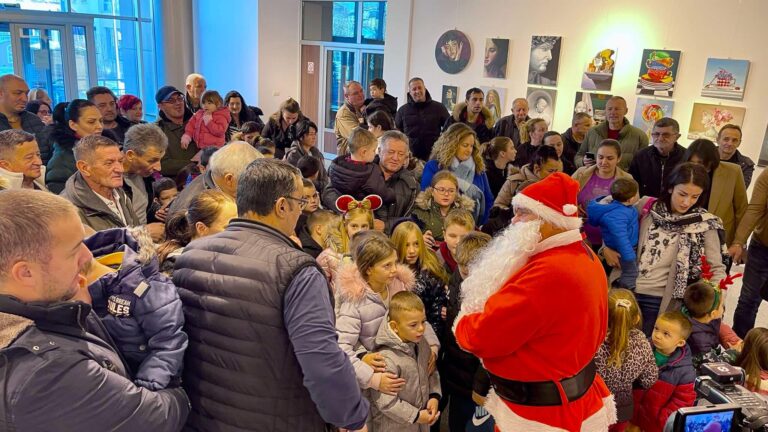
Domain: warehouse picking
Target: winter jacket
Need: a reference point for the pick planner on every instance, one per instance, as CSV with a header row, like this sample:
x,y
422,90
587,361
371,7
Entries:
x,y
296,152
308,244
45,142
61,165
422,122
428,215
483,125
525,152
650,169
359,179
480,180
571,146
175,157
282,138
92,210
511,186
747,166
123,124
727,197
29,122
457,367
496,176
246,114
197,186
619,225
211,134
139,306
348,119
507,127
60,372
434,294
672,391
707,336
583,174
329,261
388,104
631,140
16,180
409,361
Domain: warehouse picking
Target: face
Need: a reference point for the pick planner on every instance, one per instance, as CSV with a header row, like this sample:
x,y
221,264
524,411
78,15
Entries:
x,y
394,156
412,249
106,168
174,106
475,103
444,193
89,123
537,134
509,154
134,114
210,107
25,159
667,336
540,57
541,105
449,94
727,143
146,164
69,256
582,126
44,113
464,149
453,235
107,106
196,88
13,96
354,95
491,51
615,110
555,141
227,213
607,159
520,110
167,196
684,196
376,92
235,105
664,138
383,272
313,199
415,89
357,224
410,325
375,130
548,168
290,118
310,138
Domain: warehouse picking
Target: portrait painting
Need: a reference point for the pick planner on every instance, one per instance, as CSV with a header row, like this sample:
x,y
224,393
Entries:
x,y
649,111
708,119
495,60
541,103
725,79
544,60
495,98
450,93
453,51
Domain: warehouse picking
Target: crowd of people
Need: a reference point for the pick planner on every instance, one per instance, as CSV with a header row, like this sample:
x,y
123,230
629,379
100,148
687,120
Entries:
x,y
215,272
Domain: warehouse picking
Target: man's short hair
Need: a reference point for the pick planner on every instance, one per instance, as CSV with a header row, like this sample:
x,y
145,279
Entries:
x,y
379,83
667,122
410,81
320,217
191,78
349,84
10,139
730,126
5,79
387,136
309,166
551,133
25,220
623,189
141,137
699,299
461,217
86,147
308,183
470,246
579,116
263,182
472,91
361,138
233,159
678,318
404,301
97,90
613,98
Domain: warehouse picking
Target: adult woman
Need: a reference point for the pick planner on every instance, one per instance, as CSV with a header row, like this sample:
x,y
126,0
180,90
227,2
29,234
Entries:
x,y
208,213
379,122
499,153
281,127
596,180
458,151
555,140
433,205
495,62
531,136
39,94
543,163
131,108
239,112
81,118
306,144
41,109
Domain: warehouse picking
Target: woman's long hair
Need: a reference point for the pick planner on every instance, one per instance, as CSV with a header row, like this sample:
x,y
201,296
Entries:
x,y
447,144
427,259
754,356
686,172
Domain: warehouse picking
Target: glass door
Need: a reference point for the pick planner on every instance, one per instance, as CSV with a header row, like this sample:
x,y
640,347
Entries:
x,y
340,67
373,67
42,59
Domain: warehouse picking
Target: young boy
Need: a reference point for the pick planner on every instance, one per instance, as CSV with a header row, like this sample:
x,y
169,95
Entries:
x,y
458,224
313,235
705,305
164,191
313,202
356,174
406,353
380,100
620,226
674,389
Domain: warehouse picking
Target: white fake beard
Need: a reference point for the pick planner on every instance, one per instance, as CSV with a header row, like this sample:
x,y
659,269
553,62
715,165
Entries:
x,y
495,264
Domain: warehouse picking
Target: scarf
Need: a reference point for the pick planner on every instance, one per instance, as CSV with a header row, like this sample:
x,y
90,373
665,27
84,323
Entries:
x,y
688,232
465,174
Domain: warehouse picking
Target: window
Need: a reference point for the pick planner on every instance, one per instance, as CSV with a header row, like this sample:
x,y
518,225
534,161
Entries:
x,y
43,5
117,55
6,61
341,21
344,27
104,7
374,19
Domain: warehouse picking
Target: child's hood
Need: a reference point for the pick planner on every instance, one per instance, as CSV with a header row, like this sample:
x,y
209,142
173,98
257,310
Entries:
x,y
386,338
350,285
599,207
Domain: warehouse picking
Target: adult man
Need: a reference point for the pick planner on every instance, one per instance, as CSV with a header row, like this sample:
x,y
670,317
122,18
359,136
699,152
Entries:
x,y
615,127
173,119
267,357
195,86
224,168
651,165
728,141
13,102
96,189
144,147
509,126
60,370
106,102
349,115
574,136
474,114
421,119
502,323
20,162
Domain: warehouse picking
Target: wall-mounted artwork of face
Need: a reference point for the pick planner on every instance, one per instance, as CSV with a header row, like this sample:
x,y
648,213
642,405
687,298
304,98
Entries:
x,y
545,60
453,51
542,104
449,97
495,60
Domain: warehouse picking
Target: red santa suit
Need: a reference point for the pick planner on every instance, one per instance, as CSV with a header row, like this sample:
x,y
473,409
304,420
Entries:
x,y
547,319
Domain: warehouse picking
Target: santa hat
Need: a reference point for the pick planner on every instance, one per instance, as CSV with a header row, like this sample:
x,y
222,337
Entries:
x,y
553,199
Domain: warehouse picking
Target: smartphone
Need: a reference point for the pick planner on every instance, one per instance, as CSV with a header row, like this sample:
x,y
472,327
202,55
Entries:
x,y
589,155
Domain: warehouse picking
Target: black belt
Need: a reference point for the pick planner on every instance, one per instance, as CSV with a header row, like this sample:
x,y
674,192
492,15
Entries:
x,y
544,393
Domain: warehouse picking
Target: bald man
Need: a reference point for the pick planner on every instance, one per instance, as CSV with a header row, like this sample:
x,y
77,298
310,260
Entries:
x,y
13,101
196,86
616,126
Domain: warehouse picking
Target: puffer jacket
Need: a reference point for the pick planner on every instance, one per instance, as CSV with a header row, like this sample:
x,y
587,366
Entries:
x,y
359,179
427,213
483,125
619,225
297,151
434,294
139,306
398,413
422,122
388,104
61,165
212,134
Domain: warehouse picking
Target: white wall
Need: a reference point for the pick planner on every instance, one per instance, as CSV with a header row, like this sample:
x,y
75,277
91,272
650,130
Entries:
x,y
279,53
173,42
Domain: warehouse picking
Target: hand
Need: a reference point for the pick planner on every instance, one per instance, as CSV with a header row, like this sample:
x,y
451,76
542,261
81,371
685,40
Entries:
x,y
376,361
162,213
185,140
429,240
736,251
425,417
444,313
588,161
390,384
207,117
612,258
432,410
432,365
477,399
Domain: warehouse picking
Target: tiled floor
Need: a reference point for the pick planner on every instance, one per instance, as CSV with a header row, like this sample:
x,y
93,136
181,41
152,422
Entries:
x,y
733,297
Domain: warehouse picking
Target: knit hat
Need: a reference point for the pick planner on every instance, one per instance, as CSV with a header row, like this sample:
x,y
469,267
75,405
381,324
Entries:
x,y
553,199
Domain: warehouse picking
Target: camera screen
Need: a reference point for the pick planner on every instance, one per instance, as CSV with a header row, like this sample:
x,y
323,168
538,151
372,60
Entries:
x,y
709,422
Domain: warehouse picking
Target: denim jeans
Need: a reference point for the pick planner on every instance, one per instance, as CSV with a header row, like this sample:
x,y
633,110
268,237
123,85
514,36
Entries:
x,y
628,277
755,278
649,307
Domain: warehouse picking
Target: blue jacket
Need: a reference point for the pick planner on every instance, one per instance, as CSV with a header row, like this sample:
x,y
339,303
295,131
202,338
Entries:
x,y
480,180
619,224
139,306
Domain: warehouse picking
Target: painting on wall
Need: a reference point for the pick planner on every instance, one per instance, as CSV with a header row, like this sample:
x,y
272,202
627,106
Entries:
x,y
763,159
542,104
544,60
495,98
450,94
648,111
592,104
453,51
495,60
658,73
598,74
725,78
708,119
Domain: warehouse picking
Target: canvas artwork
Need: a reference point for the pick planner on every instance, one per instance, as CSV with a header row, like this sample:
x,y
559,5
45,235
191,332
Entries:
x,y
598,74
450,95
658,73
592,104
495,60
495,98
763,159
708,119
542,104
544,60
725,78
648,111
453,51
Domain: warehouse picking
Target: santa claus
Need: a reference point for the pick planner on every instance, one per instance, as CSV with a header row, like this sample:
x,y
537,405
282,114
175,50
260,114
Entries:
x,y
534,310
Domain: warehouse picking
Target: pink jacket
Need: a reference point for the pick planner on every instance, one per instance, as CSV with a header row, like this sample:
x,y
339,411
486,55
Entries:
x,y
211,134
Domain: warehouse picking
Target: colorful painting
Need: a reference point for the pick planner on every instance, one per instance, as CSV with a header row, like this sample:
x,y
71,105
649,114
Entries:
x,y
495,60
592,104
725,79
658,73
707,119
648,111
495,98
598,74
544,60
541,103
453,51
450,95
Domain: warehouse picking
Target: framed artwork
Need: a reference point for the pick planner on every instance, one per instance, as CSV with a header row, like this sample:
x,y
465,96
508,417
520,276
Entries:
x,y
495,98
648,111
658,73
592,104
453,51
763,159
598,74
450,95
542,104
725,79
707,119
544,60
495,60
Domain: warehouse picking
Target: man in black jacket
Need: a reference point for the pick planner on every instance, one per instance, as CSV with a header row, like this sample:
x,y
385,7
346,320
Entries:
x,y
421,119
651,165
474,114
13,103
106,102
509,126
728,141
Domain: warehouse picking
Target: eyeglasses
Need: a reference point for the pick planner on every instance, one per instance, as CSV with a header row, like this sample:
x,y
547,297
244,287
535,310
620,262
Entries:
x,y
665,135
302,201
444,191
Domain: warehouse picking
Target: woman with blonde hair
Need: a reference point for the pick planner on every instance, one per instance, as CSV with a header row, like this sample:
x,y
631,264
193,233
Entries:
x,y
531,136
281,126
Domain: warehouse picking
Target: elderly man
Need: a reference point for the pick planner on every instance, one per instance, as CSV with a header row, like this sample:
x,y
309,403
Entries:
x,y
173,118
144,148
223,170
474,114
20,163
195,86
651,165
615,127
13,103
349,115
263,351
60,370
421,119
509,126
106,102
96,189
574,135
728,141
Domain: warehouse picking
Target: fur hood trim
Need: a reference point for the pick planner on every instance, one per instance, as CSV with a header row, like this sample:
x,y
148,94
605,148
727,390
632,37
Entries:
x,y
461,107
424,201
350,285
11,327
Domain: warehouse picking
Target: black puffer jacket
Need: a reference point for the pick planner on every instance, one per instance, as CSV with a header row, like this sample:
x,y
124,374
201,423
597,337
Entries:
x,y
61,165
123,124
388,105
282,138
422,122
650,169
433,294
359,179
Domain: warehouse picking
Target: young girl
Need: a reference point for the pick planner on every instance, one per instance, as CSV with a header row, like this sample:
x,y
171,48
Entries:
x,y
625,356
431,277
754,360
208,127
499,153
433,205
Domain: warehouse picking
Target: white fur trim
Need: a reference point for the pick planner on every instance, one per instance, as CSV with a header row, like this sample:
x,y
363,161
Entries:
x,y
546,213
570,209
557,240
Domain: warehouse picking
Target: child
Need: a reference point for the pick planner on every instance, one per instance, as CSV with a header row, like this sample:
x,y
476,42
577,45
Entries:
x,y
138,305
208,126
315,231
310,167
380,100
754,360
356,174
400,341
164,191
625,357
458,223
313,202
704,304
619,225
674,388
433,205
